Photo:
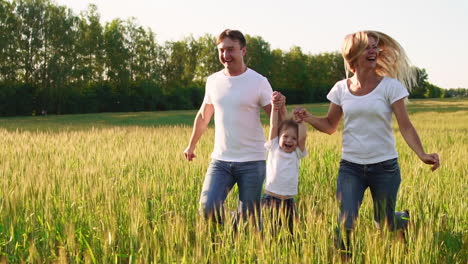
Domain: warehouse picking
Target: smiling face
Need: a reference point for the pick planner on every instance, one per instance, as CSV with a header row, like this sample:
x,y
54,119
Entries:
x,y
368,58
231,55
288,139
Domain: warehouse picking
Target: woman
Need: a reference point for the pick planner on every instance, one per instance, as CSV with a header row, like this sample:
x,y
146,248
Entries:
x,y
381,71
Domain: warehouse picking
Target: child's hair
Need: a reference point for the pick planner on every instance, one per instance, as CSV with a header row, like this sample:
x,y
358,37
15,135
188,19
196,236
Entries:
x,y
287,123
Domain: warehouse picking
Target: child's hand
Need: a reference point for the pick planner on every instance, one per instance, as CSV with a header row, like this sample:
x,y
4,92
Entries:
x,y
297,119
277,100
300,114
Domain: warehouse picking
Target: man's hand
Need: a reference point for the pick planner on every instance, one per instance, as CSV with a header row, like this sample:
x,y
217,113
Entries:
x,y
278,100
189,153
431,159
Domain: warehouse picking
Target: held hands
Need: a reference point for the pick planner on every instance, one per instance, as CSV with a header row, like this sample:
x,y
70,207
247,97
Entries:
x,y
300,114
278,100
431,159
189,153
297,118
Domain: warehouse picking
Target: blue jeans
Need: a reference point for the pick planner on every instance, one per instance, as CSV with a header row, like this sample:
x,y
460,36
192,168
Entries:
x,y
278,207
219,180
383,179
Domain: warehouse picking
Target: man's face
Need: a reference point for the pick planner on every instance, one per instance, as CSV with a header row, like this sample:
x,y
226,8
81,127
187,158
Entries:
x,y
231,55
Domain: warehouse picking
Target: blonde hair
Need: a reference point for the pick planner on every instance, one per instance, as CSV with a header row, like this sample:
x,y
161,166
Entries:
x,y
392,59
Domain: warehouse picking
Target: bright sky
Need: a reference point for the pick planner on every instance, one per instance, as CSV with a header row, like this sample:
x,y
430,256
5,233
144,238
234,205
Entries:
x,y
433,32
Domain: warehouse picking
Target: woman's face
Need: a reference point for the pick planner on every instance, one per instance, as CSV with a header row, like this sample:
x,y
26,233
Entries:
x,y
368,58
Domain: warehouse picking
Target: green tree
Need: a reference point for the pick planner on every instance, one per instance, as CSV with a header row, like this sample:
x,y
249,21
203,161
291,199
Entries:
x,y
59,57
207,58
9,37
324,71
420,89
32,22
295,75
277,76
259,56
89,65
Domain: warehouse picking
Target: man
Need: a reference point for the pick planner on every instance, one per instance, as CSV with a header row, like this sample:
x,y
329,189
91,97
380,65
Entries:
x,y
236,94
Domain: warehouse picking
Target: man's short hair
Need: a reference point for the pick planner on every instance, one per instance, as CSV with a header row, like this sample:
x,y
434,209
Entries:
x,y
234,35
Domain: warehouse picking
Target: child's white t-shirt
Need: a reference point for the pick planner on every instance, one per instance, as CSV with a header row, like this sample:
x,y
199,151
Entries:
x,y
282,174
367,131
237,101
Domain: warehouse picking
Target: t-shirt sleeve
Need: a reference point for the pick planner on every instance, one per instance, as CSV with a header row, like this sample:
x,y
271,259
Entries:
x,y
334,95
301,154
272,144
265,92
396,91
207,98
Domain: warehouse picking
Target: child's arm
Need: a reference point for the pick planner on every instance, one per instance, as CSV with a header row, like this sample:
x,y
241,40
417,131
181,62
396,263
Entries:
x,y
273,122
277,105
302,134
279,100
301,130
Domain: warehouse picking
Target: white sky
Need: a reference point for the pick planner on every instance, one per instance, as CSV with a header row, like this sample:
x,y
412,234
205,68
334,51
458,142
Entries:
x,y
433,32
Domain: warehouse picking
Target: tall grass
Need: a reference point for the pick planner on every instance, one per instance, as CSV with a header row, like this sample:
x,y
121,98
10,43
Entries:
x,y
116,191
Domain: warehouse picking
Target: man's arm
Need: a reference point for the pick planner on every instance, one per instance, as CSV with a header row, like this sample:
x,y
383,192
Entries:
x,y
202,119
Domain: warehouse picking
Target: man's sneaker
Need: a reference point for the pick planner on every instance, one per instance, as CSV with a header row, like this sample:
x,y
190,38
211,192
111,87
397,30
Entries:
x,y
405,217
343,250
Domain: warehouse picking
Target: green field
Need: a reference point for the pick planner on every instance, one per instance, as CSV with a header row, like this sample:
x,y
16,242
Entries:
x,y
114,188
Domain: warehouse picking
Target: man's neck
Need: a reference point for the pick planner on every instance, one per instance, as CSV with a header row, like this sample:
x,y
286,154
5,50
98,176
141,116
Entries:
x,y
235,72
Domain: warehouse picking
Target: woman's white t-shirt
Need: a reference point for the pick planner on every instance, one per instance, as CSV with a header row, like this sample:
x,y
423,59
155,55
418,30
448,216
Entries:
x,y
282,175
367,133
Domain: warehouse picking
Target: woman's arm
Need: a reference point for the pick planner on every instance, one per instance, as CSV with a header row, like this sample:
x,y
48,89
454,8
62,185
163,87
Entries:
x,y
410,135
327,124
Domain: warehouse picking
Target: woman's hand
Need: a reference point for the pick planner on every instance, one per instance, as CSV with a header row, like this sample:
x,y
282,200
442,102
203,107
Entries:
x,y
300,114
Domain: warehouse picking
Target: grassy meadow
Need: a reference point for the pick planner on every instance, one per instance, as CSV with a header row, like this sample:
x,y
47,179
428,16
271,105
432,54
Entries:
x,y
115,188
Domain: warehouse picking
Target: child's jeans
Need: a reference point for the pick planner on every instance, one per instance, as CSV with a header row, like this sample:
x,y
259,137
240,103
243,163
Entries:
x,y
280,209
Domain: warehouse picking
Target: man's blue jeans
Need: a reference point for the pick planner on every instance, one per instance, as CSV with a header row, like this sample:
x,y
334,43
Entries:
x,y
383,180
219,180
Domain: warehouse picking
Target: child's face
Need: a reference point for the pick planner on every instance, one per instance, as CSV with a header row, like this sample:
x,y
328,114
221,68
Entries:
x,y
288,139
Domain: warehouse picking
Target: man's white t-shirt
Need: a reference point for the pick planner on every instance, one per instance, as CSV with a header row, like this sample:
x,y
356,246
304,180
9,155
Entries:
x,y
367,132
237,102
282,174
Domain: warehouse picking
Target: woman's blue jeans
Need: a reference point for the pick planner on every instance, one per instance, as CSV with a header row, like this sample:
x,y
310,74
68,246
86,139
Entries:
x,y
219,180
383,179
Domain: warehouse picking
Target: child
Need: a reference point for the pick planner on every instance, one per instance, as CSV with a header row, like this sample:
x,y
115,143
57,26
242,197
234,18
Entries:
x,y
286,146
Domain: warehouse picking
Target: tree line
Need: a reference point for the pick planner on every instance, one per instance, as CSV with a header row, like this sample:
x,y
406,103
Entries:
x,y
56,61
